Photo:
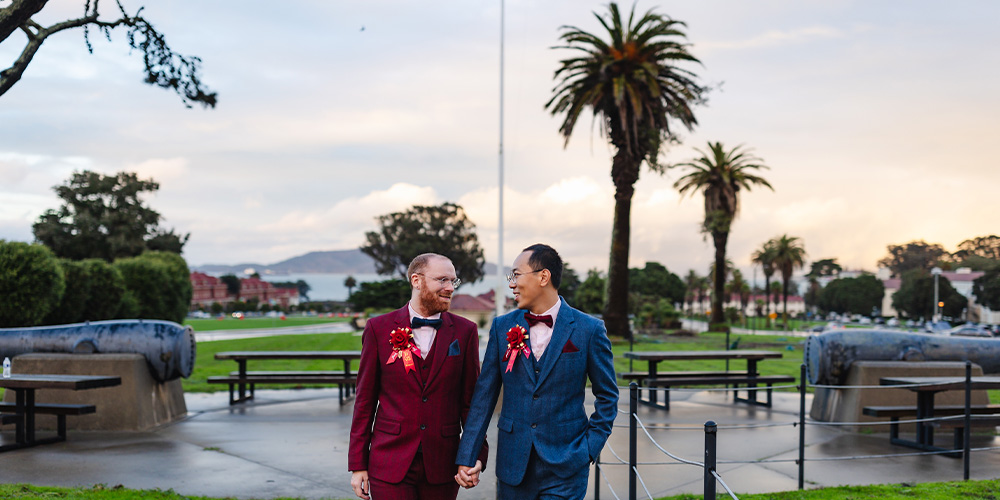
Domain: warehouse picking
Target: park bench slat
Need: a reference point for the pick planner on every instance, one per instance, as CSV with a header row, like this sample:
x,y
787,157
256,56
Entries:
x,y
645,375
53,408
911,411
727,380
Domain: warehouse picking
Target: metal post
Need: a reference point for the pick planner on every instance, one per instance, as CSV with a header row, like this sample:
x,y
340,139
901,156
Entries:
x,y
802,425
710,435
968,418
631,344
597,478
499,299
633,406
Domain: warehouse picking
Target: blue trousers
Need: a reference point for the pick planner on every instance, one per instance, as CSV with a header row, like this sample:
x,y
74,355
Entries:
x,y
542,484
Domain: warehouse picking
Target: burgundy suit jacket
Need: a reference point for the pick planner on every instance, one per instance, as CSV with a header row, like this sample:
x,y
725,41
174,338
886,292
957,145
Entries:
x,y
394,412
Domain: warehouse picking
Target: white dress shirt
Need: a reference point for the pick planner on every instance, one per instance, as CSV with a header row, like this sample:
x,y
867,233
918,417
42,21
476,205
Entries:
x,y
423,336
540,334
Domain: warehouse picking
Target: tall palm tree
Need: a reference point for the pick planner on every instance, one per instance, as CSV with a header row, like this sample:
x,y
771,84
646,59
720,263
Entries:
x,y
632,85
720,175
789,255
739,287
765,257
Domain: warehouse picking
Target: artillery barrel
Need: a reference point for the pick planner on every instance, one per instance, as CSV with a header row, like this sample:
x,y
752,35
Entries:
x,y
829,356
169,347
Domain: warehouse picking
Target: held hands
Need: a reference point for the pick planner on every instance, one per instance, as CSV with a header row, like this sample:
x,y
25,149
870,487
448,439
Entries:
x,y
468,477
359,481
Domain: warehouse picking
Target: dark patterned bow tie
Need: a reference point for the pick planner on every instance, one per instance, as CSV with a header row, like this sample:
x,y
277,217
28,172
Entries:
x,y
534,319
420,322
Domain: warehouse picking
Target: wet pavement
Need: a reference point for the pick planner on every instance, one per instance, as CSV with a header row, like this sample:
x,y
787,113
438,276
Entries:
x,y
293,443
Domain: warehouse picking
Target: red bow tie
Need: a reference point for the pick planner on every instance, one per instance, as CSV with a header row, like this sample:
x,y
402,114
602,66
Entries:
x,y
534,319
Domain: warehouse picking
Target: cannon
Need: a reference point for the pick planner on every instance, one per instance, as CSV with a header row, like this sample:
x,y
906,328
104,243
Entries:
x,y
169,348
828,356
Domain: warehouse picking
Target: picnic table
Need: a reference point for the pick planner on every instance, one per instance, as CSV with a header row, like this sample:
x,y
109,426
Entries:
x,y
241,379
926,388
22,412
751,377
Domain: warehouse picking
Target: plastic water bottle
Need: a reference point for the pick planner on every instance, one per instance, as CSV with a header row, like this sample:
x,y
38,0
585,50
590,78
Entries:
x,y
6,367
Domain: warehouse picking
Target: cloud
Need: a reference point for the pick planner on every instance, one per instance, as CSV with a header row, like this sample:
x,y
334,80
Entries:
x,y
774,38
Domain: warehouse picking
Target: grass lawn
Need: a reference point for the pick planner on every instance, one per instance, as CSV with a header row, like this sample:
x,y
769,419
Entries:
x,y
988,489
206,365
230,323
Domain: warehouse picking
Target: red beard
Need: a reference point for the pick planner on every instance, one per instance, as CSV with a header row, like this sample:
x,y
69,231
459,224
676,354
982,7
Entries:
x,y
431,303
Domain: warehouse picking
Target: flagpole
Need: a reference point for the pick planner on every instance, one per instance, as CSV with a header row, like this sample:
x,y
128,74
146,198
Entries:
x,y
500,295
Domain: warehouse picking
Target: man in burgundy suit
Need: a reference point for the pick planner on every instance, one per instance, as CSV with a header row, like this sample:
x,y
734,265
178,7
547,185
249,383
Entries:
x,y
419,366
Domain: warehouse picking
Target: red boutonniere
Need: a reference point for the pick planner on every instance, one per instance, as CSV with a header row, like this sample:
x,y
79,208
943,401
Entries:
x,y
516,337
403,347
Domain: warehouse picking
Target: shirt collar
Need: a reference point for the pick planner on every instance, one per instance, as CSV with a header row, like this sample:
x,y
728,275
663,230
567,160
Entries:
x,y
553,311
414,314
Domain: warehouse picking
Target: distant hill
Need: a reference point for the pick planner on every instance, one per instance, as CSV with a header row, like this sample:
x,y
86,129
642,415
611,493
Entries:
x,y
328,262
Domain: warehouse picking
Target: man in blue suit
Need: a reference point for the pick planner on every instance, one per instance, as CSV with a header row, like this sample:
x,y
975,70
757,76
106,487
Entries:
x,y
541,355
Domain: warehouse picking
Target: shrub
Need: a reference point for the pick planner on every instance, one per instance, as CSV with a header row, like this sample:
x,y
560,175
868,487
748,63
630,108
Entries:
x,y
159,286
31,283
107,290
72,307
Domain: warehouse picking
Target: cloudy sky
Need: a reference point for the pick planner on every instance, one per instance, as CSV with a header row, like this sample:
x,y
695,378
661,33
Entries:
x,y
876,117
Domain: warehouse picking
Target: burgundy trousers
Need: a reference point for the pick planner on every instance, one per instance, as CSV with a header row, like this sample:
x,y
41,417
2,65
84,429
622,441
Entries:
x,y
414,486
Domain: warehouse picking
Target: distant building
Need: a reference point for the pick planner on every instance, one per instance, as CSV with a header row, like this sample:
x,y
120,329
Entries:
x,y
207,290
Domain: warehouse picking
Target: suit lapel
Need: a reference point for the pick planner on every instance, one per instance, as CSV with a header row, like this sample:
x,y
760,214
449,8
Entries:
x,y
442,341
402,320
560,334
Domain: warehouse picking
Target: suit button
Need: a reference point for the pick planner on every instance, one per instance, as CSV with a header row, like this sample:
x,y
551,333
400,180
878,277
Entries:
x,y
534,425
537,370
425,400
535,396
423,427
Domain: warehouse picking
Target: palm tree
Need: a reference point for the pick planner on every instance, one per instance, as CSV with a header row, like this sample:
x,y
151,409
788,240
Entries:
x,y
720,175
350,283
765,257
789,255
739,287
632,86
691,283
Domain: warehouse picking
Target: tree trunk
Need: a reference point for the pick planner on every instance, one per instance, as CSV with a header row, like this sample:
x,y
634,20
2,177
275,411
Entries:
x,y
767,299
720,238
784,301
624,173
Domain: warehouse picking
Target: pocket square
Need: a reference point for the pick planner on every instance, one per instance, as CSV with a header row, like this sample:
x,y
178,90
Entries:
x,y
454,349
569,347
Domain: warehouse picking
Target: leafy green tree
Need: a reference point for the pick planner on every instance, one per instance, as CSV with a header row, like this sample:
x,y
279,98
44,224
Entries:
x,y
590,295
987,288
981,246
233,284
915,297
852,295
103,217
657,281
31,283
158,283
72,307
789,255
720,175
388,294
813,294
570,281
824,267
163,67
107,289
912,255
350,283
764,256
442,229
631,83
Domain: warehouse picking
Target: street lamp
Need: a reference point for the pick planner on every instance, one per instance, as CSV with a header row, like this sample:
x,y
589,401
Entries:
x,y
936,272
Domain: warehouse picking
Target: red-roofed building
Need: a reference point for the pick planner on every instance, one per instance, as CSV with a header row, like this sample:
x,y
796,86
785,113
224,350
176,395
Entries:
x,y
475,309
207,290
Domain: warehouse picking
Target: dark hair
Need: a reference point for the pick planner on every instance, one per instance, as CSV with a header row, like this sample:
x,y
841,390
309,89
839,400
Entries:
x,y
546,257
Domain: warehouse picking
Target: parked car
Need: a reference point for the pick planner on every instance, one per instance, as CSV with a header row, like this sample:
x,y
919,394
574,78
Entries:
x,y
937,327
970,330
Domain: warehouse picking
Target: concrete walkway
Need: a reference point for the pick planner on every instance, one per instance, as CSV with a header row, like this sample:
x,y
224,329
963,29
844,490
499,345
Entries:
x,y
293,443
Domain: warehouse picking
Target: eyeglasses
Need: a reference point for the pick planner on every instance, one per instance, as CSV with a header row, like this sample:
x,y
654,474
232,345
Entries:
x,y
443,281
512,277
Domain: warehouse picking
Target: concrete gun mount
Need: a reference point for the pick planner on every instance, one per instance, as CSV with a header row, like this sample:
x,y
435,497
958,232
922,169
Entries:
x,y
829,356
169,348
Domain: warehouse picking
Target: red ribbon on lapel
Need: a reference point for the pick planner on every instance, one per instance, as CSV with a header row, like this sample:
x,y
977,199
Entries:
x,y
403,347
516,337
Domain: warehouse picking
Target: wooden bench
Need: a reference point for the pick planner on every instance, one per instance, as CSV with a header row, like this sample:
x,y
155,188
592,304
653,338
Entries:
x,y
253,378
643,376
894,413
59,410
735,379
958,424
